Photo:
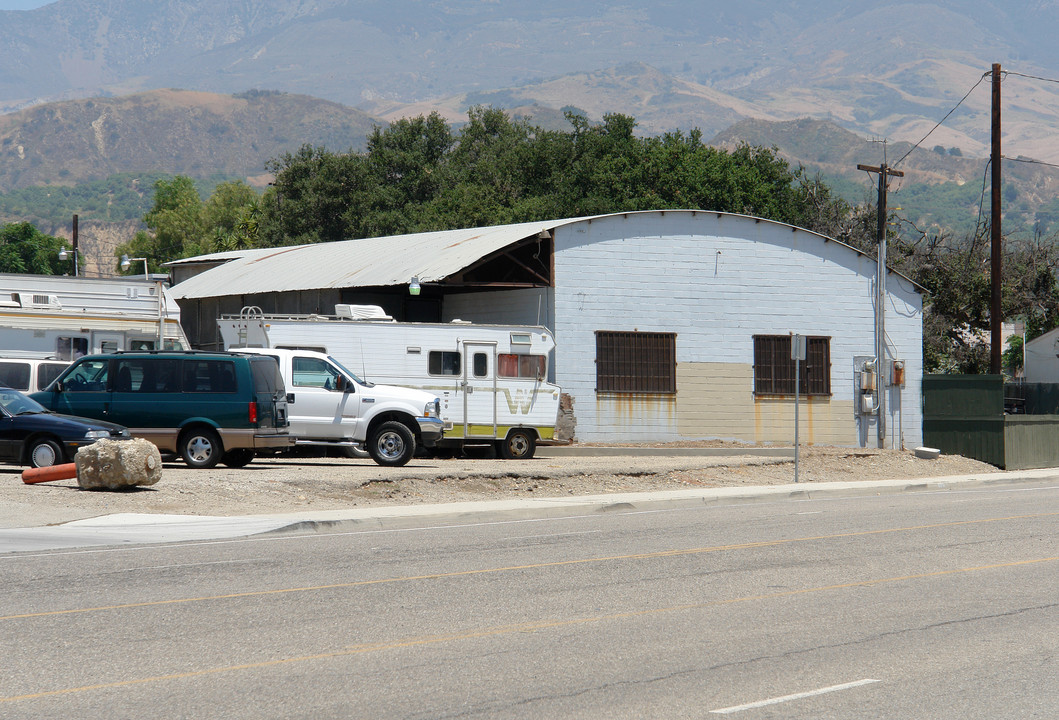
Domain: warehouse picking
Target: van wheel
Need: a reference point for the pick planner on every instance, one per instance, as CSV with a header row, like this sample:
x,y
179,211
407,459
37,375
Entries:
x,y
45,453
392,444
518,445
240,457
200,448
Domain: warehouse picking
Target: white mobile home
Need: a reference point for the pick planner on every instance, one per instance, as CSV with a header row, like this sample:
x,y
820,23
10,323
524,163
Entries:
x,y
669,325
61,317
492,380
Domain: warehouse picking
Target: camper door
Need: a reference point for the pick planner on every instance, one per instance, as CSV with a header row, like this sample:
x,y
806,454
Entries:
x,y
479,389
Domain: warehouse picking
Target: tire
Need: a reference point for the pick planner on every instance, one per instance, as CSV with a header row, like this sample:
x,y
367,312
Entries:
x,y
240,457
519,444
44,453
200,448
392,444
354,452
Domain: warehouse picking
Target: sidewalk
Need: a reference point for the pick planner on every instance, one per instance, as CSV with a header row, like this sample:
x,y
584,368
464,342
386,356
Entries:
x,y
129,528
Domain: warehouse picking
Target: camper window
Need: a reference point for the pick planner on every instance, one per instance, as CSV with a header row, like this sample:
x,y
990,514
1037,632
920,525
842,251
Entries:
x,y
443,362
522,366
71,348
481,365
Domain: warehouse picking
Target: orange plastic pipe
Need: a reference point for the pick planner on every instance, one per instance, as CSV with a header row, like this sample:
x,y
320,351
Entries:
x,y
47,474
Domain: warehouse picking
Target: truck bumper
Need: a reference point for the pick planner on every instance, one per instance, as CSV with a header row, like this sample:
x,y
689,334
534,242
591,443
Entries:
x,y
430,430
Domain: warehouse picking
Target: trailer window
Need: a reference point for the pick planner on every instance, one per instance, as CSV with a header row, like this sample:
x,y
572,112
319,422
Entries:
x,y
140,345
443,362
71,348
481,365
522,366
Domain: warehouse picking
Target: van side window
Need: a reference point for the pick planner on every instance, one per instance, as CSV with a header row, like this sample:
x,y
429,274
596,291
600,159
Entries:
x,y
443,362
15,375
266,375
128,375
162,375
312,372
209,376
47,372
88,376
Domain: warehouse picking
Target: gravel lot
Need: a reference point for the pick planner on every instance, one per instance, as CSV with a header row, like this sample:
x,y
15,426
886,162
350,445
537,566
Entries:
x,y
296,484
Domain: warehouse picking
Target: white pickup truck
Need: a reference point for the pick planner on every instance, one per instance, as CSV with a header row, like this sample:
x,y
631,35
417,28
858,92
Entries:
x,y
329,406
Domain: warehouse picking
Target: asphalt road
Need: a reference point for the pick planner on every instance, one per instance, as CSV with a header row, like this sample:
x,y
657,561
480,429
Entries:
x,y
917,605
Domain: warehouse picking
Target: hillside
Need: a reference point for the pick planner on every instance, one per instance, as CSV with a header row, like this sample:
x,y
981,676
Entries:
x,y
885,69
941,190
168,131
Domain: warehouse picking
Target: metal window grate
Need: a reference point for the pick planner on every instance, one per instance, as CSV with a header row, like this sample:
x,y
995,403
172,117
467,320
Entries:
x,y
774,368
636,362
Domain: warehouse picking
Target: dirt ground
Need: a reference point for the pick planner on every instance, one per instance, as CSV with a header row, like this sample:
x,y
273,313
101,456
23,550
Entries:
x,y
285,484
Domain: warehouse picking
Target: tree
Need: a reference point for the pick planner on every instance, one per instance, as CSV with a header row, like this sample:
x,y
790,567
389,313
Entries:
x,y
24,249
181,225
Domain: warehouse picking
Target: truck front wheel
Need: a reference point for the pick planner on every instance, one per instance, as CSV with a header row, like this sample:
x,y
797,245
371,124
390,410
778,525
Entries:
x,y
392,444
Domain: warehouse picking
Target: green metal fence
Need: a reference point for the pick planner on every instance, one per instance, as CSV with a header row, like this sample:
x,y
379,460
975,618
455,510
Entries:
x,y
964,415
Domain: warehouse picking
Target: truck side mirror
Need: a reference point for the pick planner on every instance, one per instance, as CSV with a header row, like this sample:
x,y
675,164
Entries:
x,y
340,383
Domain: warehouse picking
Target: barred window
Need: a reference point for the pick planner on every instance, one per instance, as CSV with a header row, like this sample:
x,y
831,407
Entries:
x,y
774,368
636,362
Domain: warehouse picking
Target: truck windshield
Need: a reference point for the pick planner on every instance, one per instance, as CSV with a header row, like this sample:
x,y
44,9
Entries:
x,y
344,369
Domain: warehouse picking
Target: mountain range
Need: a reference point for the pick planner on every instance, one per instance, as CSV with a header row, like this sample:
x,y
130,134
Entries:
x,y
885,69
93,88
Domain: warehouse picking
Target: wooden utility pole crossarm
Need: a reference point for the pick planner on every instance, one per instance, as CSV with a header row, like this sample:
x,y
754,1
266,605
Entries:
x,y
885,174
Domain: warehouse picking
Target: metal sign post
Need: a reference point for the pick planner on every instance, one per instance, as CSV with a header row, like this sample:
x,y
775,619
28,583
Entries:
x,y
797,355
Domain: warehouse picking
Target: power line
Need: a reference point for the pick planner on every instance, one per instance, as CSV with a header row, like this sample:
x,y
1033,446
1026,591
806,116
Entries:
x,y
950,112
1030,161
1031,77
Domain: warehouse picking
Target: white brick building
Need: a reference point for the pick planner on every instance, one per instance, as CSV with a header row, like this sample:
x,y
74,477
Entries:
x,y
669,325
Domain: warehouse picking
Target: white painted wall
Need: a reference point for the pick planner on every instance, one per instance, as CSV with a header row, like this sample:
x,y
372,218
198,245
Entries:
x,y
1042,362
717,280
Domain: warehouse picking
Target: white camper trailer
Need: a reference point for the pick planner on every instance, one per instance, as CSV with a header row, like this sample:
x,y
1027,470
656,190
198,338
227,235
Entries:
x,y
491,379
63,318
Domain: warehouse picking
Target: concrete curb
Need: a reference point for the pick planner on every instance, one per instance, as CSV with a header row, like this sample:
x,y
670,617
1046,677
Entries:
x,y
560,451
128,528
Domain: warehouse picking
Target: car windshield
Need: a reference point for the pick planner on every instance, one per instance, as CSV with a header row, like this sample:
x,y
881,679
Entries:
x,y
344,369
15,403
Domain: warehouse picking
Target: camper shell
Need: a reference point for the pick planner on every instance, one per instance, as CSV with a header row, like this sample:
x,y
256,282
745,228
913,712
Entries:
x,y
62,318
491,380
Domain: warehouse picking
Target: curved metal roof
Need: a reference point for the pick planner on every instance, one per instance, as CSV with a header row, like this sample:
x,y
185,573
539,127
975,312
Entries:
x,y
368,262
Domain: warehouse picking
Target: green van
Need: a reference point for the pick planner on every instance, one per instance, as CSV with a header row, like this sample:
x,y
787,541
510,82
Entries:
x,y
207,407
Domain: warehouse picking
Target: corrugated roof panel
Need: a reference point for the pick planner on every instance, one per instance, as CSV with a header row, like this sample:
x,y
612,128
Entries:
x,y
365,262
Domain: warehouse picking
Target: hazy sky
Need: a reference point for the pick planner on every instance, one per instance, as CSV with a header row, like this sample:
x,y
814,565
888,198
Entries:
x,y
22,4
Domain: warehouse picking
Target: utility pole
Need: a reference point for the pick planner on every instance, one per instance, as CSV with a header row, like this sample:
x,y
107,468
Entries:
x,y
885,174
995,311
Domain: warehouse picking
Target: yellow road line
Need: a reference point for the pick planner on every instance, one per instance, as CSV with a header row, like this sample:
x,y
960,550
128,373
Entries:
x,y
509,630
511,568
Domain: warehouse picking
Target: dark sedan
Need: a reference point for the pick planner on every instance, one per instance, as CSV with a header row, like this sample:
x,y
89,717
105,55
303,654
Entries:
x,y
30,434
